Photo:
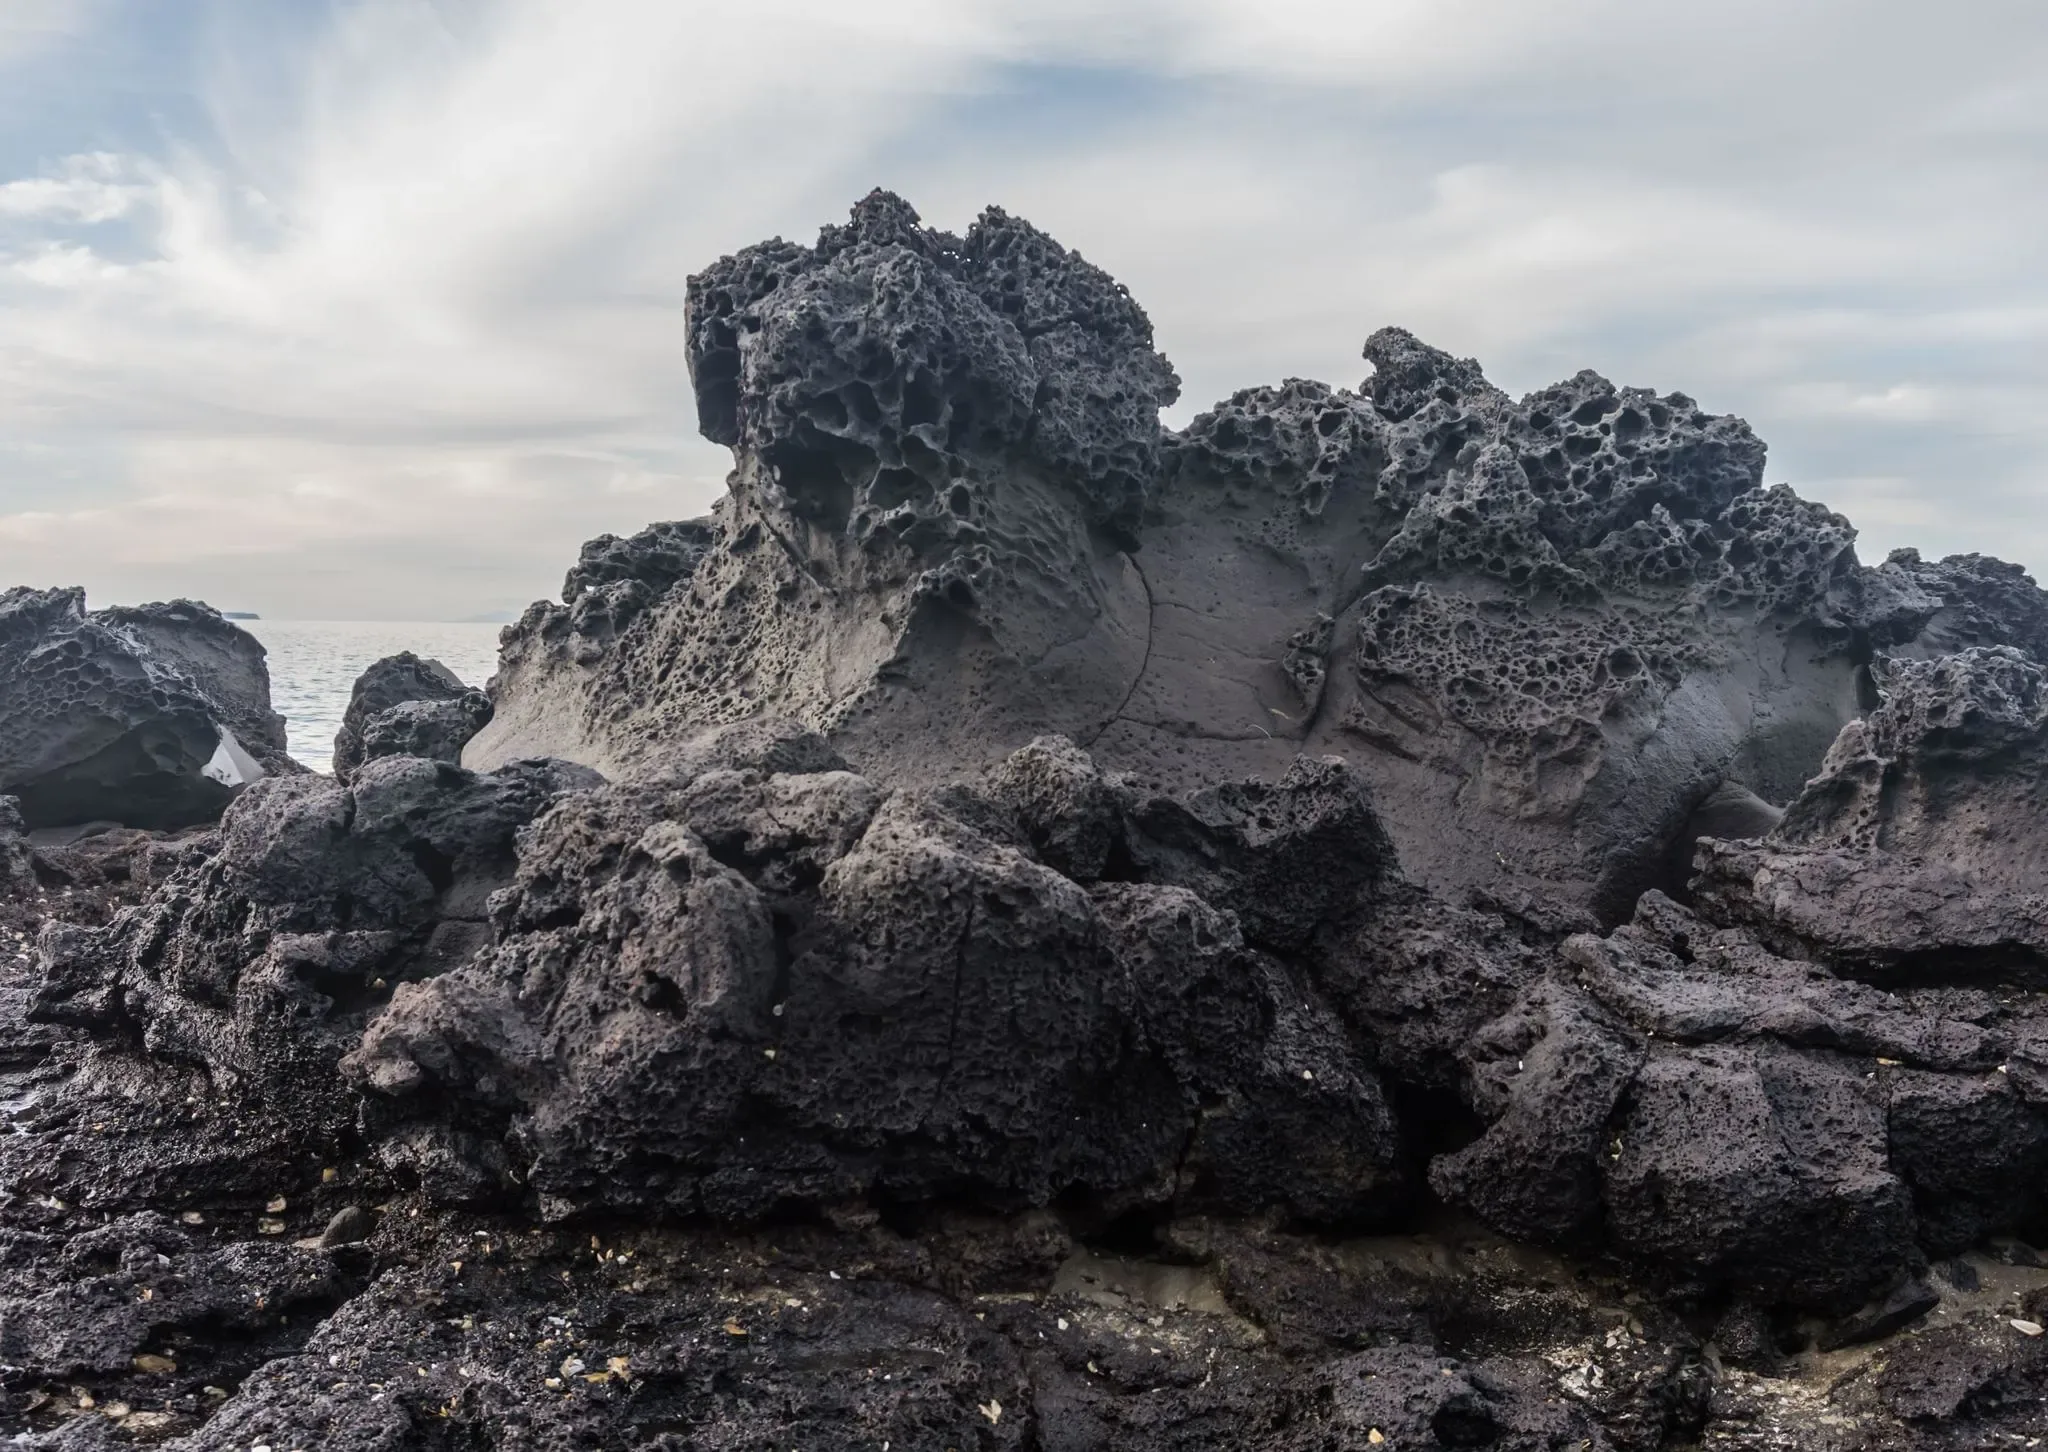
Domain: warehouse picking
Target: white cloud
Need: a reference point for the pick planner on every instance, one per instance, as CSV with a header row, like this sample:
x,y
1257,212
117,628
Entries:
x,y
92,188
57,265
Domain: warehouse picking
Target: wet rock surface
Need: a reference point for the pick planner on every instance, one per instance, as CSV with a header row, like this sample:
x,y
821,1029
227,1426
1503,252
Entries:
x,y
1387,918
153,715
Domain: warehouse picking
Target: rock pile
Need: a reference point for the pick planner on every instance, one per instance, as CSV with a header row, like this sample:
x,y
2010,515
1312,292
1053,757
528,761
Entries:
x,y
405,706
1390,918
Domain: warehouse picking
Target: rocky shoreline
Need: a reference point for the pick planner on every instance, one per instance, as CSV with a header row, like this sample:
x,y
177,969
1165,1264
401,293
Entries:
x,y
1397,917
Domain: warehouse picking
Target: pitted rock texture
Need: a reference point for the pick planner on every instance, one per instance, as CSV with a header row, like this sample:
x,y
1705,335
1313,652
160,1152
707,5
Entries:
x,y
1955,603
654,559
433,730
944,446
17,871
1726,1115
728,989
870,370
1092,938
151,715
1948,766
1548,630
404,705
1913,854
258,965
955,1042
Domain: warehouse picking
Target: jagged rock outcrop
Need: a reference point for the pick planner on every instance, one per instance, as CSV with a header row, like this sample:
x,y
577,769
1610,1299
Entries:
x,y
430,730
1756,1123
1088,938
1913,855
944,444
1549,630
403,705
654,559
730,988
259,964
152,715
17,874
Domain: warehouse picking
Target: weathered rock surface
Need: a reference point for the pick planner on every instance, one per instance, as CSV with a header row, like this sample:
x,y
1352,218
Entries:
x,y
258,966
1340,927
1549,630
152,715
1751,1121
730,989
17,871
1913,856
406,706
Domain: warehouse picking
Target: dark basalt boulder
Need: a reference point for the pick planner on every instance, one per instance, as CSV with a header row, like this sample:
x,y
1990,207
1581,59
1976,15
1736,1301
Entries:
x,y
654,559
1696,1102
260,963
730,989
153,716
226,662
404,705
430,730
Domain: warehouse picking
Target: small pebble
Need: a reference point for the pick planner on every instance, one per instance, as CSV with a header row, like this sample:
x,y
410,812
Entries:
x,y
350,1226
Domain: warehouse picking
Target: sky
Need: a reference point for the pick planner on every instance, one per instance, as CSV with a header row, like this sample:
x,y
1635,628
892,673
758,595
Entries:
x,y
372,309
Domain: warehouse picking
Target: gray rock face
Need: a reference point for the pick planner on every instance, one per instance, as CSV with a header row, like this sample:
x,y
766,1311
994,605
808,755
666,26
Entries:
x,y
870,372
944,445
1912,854
406,706
154,715
16,875
1548,630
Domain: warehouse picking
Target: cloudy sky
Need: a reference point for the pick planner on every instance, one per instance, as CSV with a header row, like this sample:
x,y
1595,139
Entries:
x,y
371,309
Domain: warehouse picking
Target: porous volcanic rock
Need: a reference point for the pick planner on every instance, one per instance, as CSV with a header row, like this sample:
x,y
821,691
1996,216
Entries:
x,y
1913,855
1549,630
153,716
1338,927
431,730
726,988
259,963
17,873
1749,1121
404,705
944,445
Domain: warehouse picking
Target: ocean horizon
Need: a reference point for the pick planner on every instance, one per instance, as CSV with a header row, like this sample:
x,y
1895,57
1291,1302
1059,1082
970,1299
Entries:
x,y
314,665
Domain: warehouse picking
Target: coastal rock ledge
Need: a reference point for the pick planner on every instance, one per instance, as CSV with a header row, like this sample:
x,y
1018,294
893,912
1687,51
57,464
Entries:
x,y
1394,917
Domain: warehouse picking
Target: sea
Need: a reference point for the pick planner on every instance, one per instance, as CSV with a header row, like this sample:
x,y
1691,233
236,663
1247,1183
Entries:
x,y
314,665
